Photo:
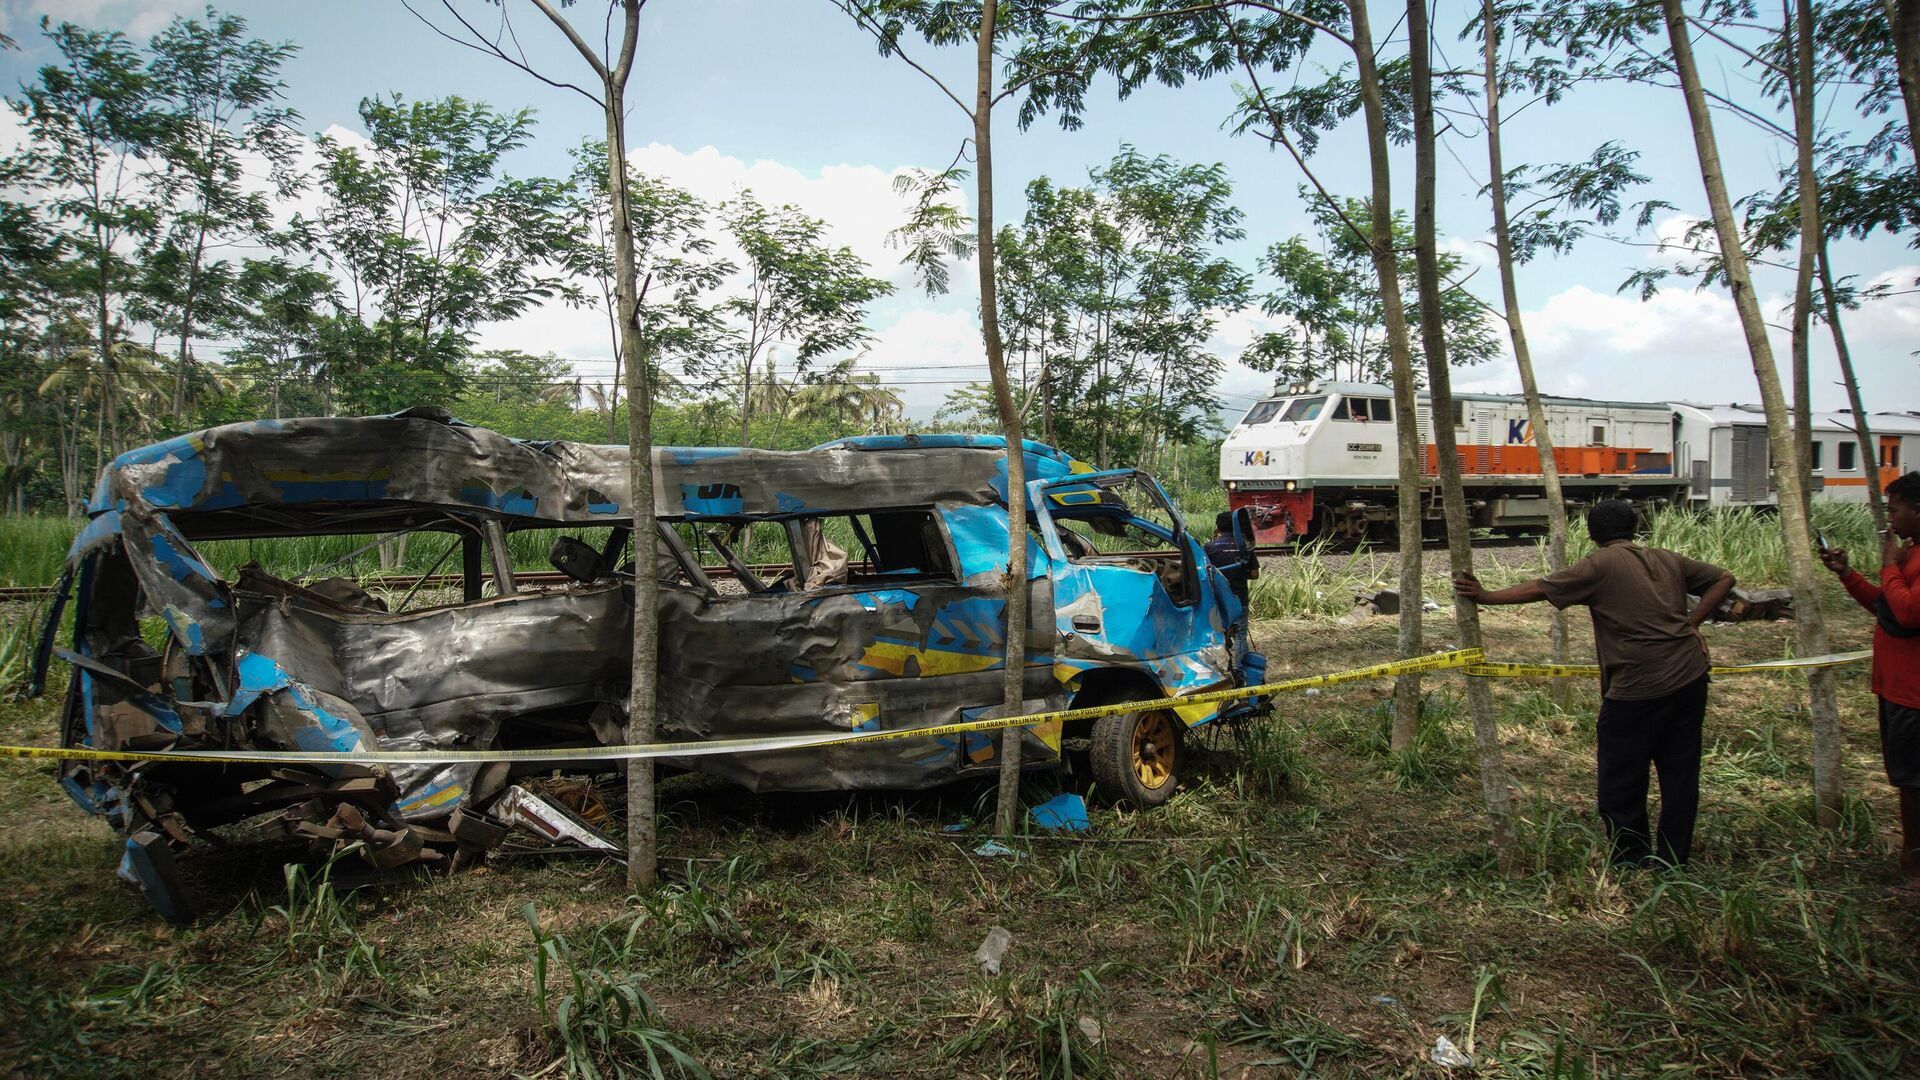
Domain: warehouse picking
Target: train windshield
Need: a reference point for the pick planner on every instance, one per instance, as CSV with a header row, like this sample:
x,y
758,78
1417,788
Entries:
x,y
1303,409
1287,410
1262,412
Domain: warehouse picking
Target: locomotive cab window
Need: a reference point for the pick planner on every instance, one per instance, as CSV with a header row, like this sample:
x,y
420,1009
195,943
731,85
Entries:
x,y
1364,409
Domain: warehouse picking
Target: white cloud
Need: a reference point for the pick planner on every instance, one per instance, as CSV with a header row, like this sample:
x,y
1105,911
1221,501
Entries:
x,y
137,18
859,207
1684,344
928,353
856,201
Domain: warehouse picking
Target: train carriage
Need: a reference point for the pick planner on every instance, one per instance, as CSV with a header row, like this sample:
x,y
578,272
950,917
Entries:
x,y
1730,462
1321,459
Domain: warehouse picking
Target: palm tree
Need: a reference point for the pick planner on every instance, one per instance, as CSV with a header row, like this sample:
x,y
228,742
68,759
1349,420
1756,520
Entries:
x,y
840,393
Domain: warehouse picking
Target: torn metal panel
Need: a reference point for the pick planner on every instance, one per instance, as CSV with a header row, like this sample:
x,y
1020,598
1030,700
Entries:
x,y
903,633
550,821
366,474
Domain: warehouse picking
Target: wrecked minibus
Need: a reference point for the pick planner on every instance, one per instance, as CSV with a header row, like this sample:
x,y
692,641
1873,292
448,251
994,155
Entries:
x,y
881,608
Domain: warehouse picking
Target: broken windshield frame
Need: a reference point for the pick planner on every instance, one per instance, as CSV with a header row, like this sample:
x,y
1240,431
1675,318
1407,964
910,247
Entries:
x,y
1100,500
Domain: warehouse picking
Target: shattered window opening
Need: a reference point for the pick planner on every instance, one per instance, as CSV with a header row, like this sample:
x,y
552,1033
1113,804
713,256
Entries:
x,y
900,546
1124,521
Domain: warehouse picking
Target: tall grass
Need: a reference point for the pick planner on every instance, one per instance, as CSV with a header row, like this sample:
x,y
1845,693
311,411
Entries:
x,y
33,547
1748,542
1317,580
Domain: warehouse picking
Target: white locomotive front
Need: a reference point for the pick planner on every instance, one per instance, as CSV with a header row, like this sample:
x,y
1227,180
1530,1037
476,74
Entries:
x,y
1321,460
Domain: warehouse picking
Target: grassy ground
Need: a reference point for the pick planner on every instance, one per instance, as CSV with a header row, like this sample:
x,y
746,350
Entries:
x,y
1311,905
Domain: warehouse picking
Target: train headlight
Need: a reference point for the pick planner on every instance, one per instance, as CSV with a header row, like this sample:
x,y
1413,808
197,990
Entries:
x,y
1233,485
1290,485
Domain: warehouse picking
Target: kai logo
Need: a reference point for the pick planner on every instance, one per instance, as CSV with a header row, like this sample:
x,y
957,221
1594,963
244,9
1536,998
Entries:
x,y
1259,457
1519,431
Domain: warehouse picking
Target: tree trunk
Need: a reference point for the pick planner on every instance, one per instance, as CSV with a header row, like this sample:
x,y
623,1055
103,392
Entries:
x,y
1801,91
746,399
1406,689
1903,19
642,859
186,323
1013,675
1797,530
1876,502
109,404
1523,355
613,391
1486,729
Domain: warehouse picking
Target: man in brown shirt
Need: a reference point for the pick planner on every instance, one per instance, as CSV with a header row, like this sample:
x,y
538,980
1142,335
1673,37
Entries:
x,y
1653,673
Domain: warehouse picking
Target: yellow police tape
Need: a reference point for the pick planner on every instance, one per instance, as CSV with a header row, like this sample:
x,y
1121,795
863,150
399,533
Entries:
x,y
1471,661
1592,671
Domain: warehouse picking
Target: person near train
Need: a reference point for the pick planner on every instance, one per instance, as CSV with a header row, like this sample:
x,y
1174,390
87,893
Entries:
x,y
1230,554
1653,674
1895,604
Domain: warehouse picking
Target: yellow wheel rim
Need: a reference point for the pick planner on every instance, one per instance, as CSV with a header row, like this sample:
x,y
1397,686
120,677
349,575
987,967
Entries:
x,y
1153,750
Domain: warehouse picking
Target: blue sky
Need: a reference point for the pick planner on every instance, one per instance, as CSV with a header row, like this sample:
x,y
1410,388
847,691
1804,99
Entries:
x,y
789,97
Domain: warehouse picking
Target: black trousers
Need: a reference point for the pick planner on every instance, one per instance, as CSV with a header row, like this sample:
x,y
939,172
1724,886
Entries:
x,y
1663,733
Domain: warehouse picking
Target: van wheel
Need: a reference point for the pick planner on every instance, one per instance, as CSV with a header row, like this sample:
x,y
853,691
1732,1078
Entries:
x,y
1136,757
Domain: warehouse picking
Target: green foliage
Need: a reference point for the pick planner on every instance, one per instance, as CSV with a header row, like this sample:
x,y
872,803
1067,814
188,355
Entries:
x,y
1319,580
801,293
432,241
33,548
682,322
319,927
1747,541
937,229
1041,1031
1108,295
605,1023
1332,296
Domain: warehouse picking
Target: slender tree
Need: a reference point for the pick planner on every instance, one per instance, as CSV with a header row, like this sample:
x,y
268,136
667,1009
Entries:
x,y
91,123
1486,730
800,292
1554,216
673,249
1171,41
1517,333
221,94
608,90
1411,510
1798,532
944,24
431,240
1903,22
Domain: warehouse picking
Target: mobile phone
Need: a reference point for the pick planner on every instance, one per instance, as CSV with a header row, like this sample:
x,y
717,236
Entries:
x,y
1820,541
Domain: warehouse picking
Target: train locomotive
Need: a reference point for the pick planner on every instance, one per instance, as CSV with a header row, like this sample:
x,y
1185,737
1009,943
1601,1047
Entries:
x,y
1320,460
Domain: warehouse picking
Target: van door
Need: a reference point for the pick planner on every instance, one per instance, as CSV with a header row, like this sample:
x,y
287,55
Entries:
x,y
1131,586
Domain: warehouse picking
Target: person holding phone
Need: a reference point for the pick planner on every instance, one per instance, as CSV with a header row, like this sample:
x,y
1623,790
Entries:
x,y
1895,603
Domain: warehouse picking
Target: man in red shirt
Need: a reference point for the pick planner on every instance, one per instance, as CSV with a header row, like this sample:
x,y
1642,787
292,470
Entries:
x,y
1895,603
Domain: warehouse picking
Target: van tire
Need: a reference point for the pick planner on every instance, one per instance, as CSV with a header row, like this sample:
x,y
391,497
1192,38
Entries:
x,y
1136,757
